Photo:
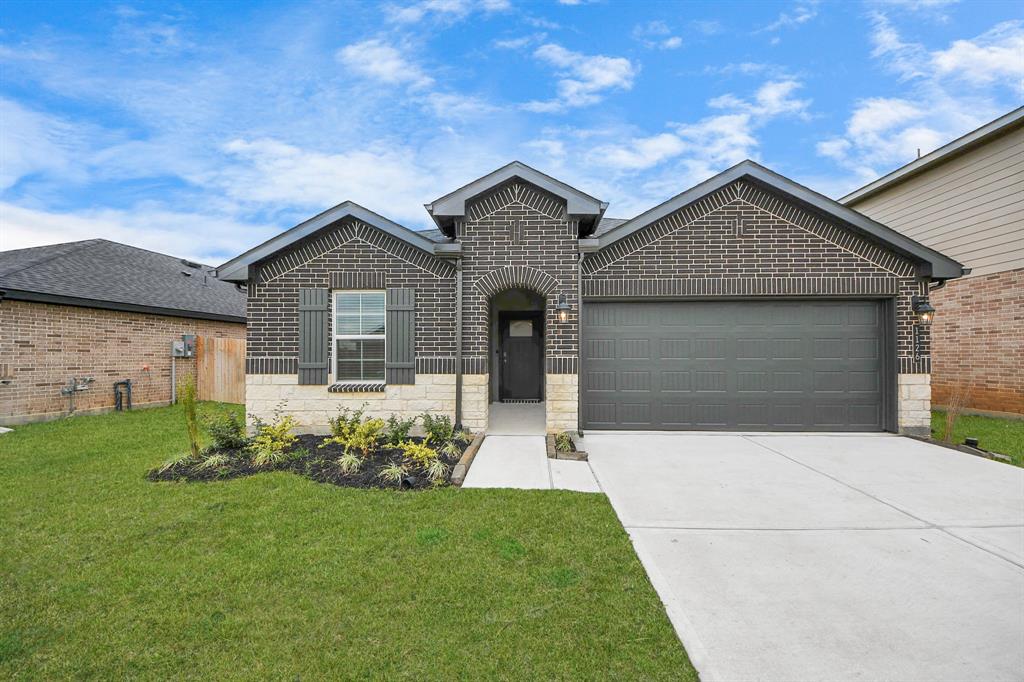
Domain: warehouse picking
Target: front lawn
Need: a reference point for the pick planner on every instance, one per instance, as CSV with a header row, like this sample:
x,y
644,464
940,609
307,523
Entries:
x,y
993,433
104,574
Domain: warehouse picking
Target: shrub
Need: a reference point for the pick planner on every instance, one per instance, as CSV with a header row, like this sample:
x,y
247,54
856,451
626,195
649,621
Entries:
x,y
439,429
347,420
350,463
419,454
187,398
398,430
227,431
270,444
213,461
362,437
436,470
563,442
392,473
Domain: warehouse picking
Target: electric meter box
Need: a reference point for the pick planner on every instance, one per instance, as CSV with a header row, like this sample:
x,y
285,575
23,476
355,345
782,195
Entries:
x,y
184,348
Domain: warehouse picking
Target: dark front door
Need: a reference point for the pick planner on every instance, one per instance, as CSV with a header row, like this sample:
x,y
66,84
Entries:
x,y
522,356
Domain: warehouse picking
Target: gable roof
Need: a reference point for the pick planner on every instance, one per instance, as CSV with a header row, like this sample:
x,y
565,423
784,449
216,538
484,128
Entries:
x,y
237,269
579,205
934,263
947,152
97,273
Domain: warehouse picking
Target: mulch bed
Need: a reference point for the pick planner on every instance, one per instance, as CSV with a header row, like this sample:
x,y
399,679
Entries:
x,y
310,460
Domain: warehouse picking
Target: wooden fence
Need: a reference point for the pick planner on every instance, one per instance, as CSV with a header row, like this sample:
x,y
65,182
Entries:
x,y
220,369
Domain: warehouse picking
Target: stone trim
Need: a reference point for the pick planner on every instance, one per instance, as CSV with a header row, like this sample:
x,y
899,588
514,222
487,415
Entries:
x,y
355,230
745,193
516,193
357,388
562,365
358,279
272,365
516,277
742,286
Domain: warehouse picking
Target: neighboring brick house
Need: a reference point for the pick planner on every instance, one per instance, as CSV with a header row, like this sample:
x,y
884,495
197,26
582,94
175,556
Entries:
x,y
745,303
967,200
96,312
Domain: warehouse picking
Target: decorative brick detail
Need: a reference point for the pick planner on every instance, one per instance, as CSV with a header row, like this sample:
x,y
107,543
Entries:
x,y
271,365
43,345
978,340
435,365
358,280
516,277
742,286
563,365
516,194
356,388
476,364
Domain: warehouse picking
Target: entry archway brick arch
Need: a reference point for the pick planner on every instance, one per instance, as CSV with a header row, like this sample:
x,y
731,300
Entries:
x,y
516,277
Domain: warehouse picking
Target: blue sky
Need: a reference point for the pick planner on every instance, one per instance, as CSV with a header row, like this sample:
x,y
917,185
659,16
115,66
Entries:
x,y
203,129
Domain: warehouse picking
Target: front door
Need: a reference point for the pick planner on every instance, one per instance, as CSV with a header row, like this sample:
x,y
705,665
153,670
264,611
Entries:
x,y
522,356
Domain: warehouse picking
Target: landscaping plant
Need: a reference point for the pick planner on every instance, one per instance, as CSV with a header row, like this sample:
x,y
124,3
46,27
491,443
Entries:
x,y
272,440
227,430
563,442
957,400
187,398
397,430
346,421
392,473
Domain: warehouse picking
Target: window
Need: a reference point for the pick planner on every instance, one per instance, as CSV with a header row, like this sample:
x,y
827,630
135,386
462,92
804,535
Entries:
x,y
359,335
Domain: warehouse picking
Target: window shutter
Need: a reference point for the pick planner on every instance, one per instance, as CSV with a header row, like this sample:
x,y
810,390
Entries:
x,y
400,361
314,342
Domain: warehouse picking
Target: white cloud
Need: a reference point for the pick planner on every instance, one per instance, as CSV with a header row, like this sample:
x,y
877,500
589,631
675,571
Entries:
x,y
32,142
656,35
948,93
708,27
802,12
641,152
442,10
772,98
994,55
584,79
521,42
379,61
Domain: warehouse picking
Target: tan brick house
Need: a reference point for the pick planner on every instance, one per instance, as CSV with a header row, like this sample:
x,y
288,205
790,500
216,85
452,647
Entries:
x,y
95,312
967,200
747,302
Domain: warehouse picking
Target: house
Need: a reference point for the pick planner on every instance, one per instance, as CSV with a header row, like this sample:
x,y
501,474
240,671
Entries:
x,y
77,317
747,302
966,199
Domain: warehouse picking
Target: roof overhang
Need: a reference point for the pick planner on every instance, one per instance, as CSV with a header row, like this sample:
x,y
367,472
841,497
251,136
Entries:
x,y
57,299
237,269
579,205
961,145
931,263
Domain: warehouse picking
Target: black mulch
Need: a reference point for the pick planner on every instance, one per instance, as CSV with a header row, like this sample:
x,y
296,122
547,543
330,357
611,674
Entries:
x,y
307,458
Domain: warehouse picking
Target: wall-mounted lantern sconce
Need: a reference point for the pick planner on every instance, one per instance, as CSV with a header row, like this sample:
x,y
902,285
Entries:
x,y
923,309
924,313
562,308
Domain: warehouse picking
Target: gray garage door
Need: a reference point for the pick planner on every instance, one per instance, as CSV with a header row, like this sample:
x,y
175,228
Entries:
x,y
733,365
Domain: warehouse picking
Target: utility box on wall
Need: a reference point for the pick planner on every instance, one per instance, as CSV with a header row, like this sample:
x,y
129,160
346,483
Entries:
x,y
185,348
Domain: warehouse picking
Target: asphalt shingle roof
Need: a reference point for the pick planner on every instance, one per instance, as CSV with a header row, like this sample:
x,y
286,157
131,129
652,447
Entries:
x,y
108,272
607,224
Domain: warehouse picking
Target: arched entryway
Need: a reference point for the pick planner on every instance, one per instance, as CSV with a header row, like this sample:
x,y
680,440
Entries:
x,y
517,332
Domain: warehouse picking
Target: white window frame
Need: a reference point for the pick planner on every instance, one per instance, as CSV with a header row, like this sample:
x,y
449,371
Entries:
x,y
358,337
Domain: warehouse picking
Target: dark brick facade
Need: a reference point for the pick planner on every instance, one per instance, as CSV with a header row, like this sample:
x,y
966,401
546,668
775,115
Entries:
x,y
347,255
743,241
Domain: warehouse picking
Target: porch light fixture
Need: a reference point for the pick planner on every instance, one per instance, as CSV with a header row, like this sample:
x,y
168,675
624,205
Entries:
x,y
925,314
923,309
562,308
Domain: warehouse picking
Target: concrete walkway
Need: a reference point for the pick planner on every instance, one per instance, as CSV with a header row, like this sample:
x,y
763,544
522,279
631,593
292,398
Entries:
x,y
826,557
522,462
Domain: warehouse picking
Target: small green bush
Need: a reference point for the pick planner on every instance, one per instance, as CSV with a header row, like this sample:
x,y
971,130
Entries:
x,y
362,437
439,428
392,473
419,454
272,440
346,421
563,442
227,430
397,430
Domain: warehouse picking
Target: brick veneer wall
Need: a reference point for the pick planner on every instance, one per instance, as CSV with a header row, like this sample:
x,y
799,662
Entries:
x,y
43,345
978,339
348,255
744,241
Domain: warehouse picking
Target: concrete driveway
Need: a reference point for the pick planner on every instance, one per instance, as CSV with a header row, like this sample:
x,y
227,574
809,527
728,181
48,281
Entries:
x,y
826,557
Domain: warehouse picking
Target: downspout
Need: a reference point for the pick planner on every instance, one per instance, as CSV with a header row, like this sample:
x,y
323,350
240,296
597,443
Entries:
x,y
579,344
458,344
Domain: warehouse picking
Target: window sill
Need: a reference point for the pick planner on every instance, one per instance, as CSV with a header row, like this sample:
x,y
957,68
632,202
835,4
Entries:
x,y
357,387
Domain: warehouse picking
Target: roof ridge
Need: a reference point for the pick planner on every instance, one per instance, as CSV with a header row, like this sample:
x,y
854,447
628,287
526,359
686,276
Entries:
x,y
82,244
155,253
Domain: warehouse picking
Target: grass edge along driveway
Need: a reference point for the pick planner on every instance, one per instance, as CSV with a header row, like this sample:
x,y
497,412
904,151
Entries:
x,y
106,575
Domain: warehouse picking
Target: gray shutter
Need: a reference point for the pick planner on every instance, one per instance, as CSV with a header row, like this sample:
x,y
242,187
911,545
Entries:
x,y
400,363
314,342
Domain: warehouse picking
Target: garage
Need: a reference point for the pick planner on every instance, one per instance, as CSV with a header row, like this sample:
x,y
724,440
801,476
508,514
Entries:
x,y
781,365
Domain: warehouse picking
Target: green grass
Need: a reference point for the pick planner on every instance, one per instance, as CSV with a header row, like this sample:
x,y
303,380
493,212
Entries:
x,y
105,575
995,434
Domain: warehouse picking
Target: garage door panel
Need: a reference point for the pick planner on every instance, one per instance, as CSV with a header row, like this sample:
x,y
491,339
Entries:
x,y
733,365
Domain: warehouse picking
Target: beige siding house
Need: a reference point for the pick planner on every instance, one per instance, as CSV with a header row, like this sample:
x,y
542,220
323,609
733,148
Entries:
x,y
966,200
